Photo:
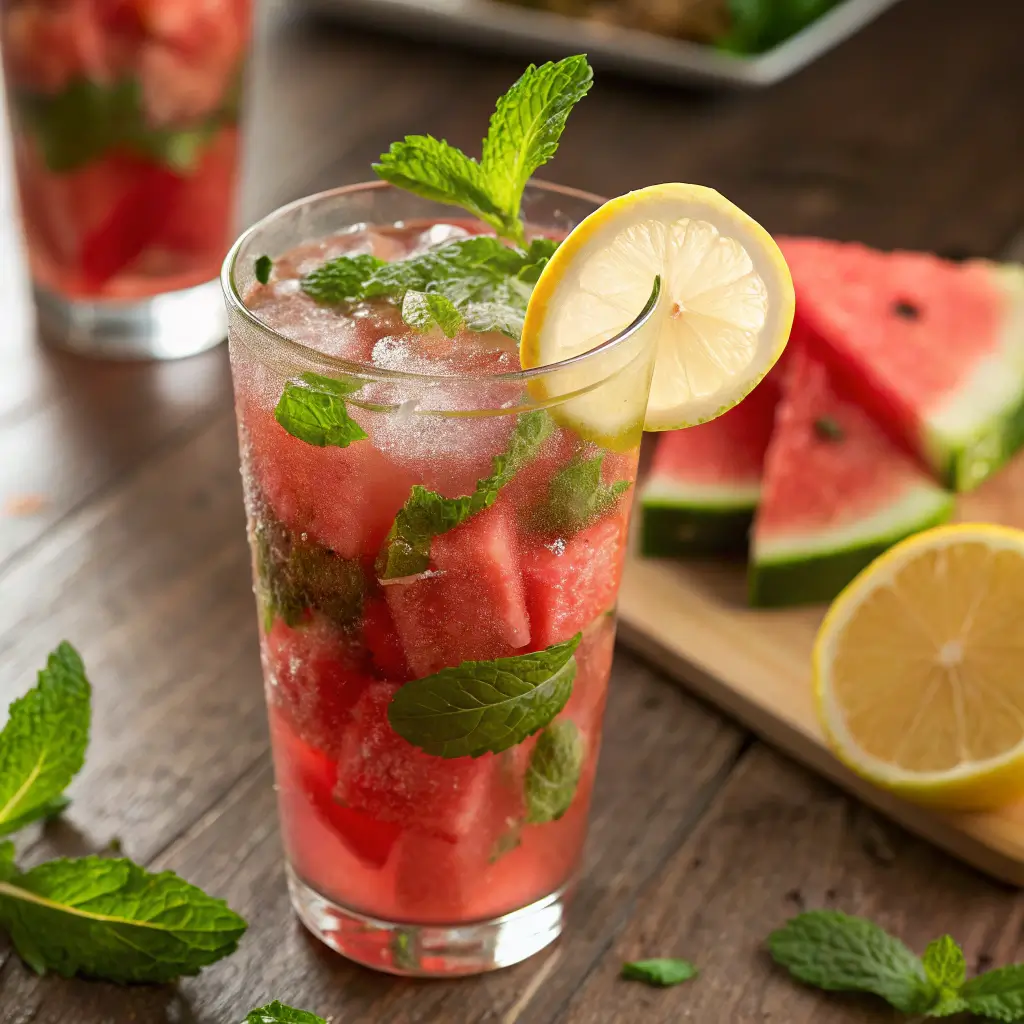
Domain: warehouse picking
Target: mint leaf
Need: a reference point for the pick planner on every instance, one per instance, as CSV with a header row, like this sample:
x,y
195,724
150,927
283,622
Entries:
x,y
42,747
111,919
263,267
553,772
313,410
427,514
527,124
278,1013
297,576
523,134
997,994
946,970
660,972
837,952
577,496
342,279
485,706
425,310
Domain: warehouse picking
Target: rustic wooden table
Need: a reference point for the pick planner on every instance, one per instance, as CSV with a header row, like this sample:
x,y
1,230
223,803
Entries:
x,y
702,840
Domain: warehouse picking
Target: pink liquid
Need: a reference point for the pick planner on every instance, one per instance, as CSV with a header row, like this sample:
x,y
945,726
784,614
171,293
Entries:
x,y
370,821
125,139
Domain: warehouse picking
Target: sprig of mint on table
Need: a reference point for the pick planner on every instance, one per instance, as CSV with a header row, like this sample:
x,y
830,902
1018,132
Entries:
x,y
99,917
842,953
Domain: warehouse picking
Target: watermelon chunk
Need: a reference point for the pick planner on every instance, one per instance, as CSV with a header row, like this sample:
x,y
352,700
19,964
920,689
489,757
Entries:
x,y
705,482
470,606
315,675
569,583
933,349
836,493
388,779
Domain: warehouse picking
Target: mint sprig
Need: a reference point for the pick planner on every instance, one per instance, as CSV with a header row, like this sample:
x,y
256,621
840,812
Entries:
x,y
42,747
660,972
425,310
312,408
578,495
263,267
278,1013
523,134
427,514
553,772
997,994
485,706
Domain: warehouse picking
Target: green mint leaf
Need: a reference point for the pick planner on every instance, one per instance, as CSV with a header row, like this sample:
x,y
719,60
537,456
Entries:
x,y
342,279
837,952
553,772
427,514
264,266
297,576
313,410
44,812
661,972
278,1013
997,994
946,970
111,919
425,310
42,747
433,169
527,124
485,706
578,495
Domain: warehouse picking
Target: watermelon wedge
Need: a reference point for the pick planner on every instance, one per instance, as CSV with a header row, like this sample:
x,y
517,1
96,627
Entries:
x,y
836,493
934,350
705,482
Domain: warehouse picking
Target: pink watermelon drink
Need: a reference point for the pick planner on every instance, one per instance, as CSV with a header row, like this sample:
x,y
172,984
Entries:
x,y
436,558
125,118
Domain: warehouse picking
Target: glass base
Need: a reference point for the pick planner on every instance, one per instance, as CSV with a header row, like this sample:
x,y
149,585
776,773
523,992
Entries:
x,y
168,326
431,950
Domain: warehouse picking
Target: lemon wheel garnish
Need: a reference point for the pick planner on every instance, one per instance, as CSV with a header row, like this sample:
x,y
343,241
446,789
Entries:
x,y
727,306
919,668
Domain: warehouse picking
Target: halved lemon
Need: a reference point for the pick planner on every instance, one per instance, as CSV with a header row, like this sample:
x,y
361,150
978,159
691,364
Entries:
x,y
725,311
919,668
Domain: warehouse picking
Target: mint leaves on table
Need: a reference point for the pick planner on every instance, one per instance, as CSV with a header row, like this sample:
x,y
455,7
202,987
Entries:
x,y
523,134
312,408
478,281
661,972
43,745
263,267
87,119
427,514
837,952
578,495
485,706
297,576
278,1013
553,772
99,917
112,919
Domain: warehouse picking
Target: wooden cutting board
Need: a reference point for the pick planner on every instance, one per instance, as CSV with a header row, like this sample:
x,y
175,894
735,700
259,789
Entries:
x,y
692,620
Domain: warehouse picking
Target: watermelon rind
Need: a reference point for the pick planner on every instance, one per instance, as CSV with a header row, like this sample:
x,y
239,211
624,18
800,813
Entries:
x,y
814,567
982,426
691,520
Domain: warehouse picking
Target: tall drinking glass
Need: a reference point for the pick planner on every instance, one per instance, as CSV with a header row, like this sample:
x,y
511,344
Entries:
x,y
433,815
125,126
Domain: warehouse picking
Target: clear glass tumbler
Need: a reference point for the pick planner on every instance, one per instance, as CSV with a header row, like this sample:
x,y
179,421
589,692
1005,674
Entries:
x,y
124,116
422,838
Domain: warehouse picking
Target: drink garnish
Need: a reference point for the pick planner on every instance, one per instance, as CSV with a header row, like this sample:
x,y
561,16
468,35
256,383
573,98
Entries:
x,y
578,495
554,772
312,408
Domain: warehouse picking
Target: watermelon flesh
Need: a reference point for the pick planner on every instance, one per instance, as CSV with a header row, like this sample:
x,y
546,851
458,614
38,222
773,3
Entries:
x,y
836,492
934,350
705,482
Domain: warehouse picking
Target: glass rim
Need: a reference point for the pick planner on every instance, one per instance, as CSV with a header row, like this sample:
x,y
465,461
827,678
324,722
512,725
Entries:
x,y
309,354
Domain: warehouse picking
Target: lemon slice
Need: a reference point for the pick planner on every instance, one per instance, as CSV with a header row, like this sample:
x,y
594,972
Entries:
x,y
725,311
919,668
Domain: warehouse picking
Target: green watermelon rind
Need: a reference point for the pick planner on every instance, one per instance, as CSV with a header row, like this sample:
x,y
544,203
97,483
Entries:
x,y
684,520
814,568
981,427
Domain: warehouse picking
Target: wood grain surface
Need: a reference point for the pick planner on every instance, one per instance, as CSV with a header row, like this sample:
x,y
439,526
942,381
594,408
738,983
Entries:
x,y
121,529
